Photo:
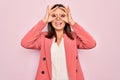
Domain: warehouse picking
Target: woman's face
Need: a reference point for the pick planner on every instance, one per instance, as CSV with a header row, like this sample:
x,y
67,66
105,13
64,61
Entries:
x,y
58,16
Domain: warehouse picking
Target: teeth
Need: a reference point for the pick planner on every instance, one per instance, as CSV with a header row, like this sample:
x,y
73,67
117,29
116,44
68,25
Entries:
x,y
58,23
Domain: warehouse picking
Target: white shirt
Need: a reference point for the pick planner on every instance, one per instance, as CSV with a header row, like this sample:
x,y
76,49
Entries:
x,y
58,57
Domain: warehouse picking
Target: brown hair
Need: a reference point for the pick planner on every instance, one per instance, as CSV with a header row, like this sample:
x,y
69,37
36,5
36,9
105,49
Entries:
x,y
51,30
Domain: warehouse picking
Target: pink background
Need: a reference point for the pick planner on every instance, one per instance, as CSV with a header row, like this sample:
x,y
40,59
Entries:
x,y
101,18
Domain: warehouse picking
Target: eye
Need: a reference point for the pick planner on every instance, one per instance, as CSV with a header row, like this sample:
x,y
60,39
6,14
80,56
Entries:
x,y
62,15
53,15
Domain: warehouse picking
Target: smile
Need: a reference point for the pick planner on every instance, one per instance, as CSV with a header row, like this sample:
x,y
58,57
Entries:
x,y
58,24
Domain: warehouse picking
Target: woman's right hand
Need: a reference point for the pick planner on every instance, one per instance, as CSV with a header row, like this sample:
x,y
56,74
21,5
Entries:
x,y
48,16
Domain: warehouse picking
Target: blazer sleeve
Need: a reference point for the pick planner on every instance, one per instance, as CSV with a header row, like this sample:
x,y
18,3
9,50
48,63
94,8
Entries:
x,y
32,40
83,39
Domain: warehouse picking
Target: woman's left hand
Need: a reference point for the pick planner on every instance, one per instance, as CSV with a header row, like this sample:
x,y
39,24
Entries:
x,y
69,17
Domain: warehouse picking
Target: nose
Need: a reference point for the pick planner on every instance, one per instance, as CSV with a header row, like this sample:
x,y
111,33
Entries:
x,y
58,18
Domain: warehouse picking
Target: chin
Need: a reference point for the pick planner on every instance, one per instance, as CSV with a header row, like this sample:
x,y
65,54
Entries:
x,y
56,29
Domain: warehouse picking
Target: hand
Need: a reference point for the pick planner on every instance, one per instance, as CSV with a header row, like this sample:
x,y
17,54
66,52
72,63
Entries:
x,y
64,15
68,17
70,20
48,18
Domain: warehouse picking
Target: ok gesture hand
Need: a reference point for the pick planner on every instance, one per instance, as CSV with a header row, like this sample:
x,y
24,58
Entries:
x,y
48,18
68,19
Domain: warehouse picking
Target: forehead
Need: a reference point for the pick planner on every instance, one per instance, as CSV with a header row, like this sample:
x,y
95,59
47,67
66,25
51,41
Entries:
x,y
58,10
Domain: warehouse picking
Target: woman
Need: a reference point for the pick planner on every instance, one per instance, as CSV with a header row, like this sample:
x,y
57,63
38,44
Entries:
x,y
59,54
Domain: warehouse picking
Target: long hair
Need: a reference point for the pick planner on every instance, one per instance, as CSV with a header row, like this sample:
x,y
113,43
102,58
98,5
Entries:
x,y
51,30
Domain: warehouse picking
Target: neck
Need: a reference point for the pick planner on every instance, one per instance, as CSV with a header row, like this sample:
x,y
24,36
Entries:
x,y
59,34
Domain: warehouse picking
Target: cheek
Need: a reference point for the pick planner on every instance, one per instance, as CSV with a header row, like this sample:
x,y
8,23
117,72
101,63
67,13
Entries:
x,y
63,24
53,24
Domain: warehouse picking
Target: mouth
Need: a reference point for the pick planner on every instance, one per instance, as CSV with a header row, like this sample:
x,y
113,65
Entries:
x,y
58,24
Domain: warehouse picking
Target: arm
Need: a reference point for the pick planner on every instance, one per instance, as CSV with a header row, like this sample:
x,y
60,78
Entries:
x,y
32,40
83,39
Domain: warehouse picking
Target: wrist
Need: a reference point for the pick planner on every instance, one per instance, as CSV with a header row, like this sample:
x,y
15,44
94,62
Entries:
x,y
45,20
72,23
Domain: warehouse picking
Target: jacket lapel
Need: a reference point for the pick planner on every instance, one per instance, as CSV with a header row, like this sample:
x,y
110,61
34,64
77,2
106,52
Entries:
x,y
70,56
48,43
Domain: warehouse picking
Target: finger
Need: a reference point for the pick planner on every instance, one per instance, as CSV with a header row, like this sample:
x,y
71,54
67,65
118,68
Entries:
x,y
64,9
66,21
48,9
51,6
68,9
69,13
50,19
47,6
51,10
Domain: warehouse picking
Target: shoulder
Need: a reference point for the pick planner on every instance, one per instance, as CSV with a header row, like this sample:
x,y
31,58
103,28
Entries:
x,y
43,33
73,34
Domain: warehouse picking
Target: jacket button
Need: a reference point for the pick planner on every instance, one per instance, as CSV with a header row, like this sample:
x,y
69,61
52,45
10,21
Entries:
x,y
76,57
44,58
76,70
43,72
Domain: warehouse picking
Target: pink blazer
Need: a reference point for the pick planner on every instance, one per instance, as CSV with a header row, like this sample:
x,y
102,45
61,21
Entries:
x,y
35,39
